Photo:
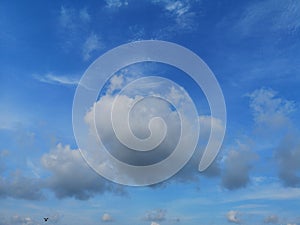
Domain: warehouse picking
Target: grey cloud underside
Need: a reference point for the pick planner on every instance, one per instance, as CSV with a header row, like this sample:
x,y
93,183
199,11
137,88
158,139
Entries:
x,y
139,125
287,155
71,176
18,220
271,219
16,185
237,167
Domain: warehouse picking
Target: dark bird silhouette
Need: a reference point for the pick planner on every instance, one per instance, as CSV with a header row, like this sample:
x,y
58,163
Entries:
x,y
46,219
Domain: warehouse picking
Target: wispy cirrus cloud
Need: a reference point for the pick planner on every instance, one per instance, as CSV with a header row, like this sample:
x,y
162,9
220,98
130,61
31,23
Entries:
x,y
182,13
273,191
84,15
54,79
91,44
66,18
72,19
272,15
116,3
76,33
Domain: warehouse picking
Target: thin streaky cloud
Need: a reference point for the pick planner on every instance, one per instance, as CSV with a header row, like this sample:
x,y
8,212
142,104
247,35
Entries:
x,y
54,79
287,19
270,193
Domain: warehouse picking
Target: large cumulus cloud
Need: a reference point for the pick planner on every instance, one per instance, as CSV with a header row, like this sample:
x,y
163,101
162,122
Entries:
x,y
99,119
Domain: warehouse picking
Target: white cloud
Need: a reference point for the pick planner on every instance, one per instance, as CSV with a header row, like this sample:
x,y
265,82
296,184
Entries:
x,y
34,168
154,223
139,125
177,7
156,215
91,44
116,82
140,115
18,219
22,220
76,32
280,16
72,19
116,3
269,110
181,12
206,122
66,18
54,79
232,217
175,95
106,217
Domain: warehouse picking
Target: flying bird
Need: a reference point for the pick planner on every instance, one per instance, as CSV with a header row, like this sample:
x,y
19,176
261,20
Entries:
x,y
46,219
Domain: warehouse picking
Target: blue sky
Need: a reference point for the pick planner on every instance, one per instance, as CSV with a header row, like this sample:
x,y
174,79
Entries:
x,y
251,46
